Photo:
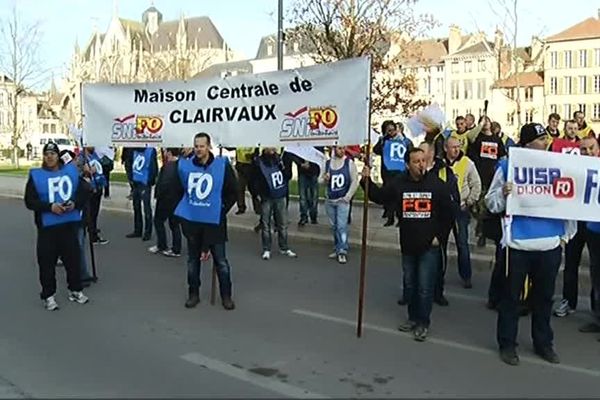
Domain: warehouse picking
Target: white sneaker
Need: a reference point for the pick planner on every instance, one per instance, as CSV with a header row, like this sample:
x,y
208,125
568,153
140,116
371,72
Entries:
x,y
342,259
288,253
332,256
78,297
51,304
153,249
266,255
170,253
563,309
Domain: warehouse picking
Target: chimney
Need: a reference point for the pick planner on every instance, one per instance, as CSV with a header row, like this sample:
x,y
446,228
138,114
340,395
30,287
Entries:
x,y
498,39
454,39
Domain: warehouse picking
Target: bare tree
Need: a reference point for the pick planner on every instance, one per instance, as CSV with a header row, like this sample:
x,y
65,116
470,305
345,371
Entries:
x,y
21,64
331,30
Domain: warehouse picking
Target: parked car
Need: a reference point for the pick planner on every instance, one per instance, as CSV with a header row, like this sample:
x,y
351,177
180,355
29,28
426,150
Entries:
x,y
64,142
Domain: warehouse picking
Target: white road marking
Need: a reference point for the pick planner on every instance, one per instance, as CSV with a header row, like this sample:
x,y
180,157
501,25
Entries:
x,y
447,343
270,384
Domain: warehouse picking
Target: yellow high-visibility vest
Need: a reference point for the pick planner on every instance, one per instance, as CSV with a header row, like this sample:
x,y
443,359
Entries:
x,y
460,170
585,132
244,154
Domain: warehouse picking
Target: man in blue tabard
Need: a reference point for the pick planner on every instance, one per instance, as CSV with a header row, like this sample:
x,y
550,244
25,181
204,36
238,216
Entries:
x,y
534,250
144,170
391,146
89,163
57,195
208,187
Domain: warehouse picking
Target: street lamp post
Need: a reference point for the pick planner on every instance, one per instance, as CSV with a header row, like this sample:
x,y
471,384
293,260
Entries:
x,y
280,35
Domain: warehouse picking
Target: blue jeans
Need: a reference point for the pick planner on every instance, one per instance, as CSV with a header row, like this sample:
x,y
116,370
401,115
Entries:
x,y
142,195
308,186
219,260
461,236
542,268
420,273
85,272
338,219
278,209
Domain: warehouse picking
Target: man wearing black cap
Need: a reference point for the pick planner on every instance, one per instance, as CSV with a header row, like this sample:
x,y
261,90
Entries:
x,y
57,195
534,250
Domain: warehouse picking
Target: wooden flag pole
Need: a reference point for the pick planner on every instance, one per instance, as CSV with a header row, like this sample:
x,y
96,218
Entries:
x,y
363,246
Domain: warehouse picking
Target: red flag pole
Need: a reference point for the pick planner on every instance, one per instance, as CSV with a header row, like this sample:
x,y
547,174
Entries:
x,y
363,247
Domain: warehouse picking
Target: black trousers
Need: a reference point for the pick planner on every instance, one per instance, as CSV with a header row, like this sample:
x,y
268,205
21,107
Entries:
x,y
542,268
573,251
593,241
58,241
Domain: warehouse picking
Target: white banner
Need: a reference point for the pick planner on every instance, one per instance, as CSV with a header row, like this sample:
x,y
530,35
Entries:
x,y
553,185
309,153
319,105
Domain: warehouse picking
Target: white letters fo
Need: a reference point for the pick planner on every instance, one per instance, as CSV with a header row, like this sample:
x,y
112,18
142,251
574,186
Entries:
x,y
200,185
62,186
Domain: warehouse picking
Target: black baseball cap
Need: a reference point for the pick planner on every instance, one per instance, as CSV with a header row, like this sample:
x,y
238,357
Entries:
x,y
51,146
530,132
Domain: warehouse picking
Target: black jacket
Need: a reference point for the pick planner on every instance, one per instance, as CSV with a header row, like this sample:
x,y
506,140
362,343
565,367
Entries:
x,y
258,182
210,234
35,204
426,210
167,176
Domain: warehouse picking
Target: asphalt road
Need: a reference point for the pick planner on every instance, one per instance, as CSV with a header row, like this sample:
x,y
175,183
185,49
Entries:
x,y
292,334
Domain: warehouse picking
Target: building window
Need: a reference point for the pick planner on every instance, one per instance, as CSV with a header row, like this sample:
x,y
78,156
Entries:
x,y
582,58
528,116
581,107
582,85
597,57
468,66
53,128
567,111
529,93
481,65
568,61
467,111
553,108
481,89
454,114
553,85
45,128
554,59
568,86
596,83
510,118
439,68
468,89
440,85
454,67
511,93
454,92
596,114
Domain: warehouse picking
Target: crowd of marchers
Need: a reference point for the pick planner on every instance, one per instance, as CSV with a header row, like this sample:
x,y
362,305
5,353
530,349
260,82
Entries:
x,y
430,190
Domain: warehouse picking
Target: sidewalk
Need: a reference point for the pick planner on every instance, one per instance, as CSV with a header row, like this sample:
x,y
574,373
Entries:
x,y
378,237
